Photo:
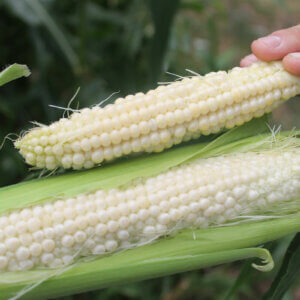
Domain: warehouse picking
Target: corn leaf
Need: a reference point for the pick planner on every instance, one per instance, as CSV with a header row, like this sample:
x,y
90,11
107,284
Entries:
x,y
13,72
246,272
288,273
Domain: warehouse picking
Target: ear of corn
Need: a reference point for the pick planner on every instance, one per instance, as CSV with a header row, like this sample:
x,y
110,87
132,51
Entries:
x,y
161,118
185,251
198,194
228,143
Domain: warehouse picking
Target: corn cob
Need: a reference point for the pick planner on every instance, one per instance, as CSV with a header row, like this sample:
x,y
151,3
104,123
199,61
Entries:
x,y
162,117
198,194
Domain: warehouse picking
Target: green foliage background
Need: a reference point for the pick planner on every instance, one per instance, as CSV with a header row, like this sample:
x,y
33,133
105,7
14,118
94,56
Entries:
x,y
107,46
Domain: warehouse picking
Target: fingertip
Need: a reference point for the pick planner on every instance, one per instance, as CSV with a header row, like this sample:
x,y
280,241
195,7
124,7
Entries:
x,y
244,63
248,60
265,48
291,63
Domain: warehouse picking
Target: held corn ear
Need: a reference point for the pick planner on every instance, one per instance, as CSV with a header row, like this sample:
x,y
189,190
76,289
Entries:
x,y
198,194
162,117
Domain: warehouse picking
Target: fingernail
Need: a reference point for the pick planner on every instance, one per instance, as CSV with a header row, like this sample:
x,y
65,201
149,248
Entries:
x,y
271,41
295,55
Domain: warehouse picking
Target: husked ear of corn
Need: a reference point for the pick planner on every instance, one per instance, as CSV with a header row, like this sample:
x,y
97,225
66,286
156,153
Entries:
x,y
162,117
197,194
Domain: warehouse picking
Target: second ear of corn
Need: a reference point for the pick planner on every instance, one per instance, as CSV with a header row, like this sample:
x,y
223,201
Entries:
x,y
162,117
198,194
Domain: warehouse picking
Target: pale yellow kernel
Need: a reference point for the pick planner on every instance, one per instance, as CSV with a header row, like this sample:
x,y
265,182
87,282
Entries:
x,y
108,153
179,116
88,164
95,141
85,145
75,146
161,121
203,107
165,136
50,159
115,137
57,150
97,156
38,149
30,158
134,131
194,109
78,159
67,161
154,138
134,116
105,139
117,150
179,131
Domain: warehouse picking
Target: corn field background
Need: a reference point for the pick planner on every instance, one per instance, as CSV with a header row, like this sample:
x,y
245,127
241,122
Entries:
x,y
122,46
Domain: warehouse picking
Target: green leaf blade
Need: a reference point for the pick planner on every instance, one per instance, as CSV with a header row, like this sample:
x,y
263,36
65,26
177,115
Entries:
x,y
288,273
13,72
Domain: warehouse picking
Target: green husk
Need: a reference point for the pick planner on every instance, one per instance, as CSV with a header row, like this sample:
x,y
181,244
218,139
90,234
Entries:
x,y
187,250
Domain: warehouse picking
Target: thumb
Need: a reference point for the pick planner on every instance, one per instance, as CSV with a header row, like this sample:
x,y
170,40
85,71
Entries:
x,y
278,44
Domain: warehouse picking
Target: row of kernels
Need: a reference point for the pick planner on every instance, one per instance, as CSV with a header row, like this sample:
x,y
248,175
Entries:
x,y
263,83
229,114
136,130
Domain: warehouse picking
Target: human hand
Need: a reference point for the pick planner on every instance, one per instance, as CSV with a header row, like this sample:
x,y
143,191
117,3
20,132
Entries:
x,y
280,45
